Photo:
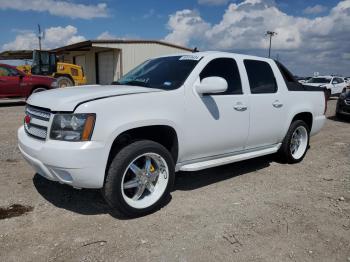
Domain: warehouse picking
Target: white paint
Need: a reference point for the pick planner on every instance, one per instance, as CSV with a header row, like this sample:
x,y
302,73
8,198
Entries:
x,y
207,126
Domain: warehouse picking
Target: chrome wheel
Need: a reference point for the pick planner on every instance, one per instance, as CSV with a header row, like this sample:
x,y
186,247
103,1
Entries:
x,y
299,142
145,180
39,89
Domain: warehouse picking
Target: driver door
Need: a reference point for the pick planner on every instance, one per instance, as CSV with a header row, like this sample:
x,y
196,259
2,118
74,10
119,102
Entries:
x,y
9,83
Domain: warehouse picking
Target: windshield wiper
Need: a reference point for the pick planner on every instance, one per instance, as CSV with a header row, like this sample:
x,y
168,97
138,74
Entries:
x,y
133,82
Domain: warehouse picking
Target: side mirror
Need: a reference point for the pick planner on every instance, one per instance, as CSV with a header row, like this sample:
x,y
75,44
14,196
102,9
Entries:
x,y
212,85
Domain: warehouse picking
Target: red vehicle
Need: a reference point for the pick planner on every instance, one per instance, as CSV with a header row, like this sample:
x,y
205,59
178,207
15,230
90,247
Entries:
x,y
15,83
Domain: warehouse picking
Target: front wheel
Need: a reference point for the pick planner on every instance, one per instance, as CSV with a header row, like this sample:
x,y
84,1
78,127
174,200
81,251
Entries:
x,y
139,179
295,143
64,81
38,89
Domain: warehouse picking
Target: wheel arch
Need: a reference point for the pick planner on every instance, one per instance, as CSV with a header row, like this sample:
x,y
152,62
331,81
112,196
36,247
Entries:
x,y
306,116
36,87
163,134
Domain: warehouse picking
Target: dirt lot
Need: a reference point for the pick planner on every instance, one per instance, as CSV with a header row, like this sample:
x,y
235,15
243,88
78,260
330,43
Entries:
x,y
256,210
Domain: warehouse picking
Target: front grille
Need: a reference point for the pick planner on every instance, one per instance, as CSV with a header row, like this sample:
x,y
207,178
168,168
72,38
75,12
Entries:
x,y
347,101
39,122
34,112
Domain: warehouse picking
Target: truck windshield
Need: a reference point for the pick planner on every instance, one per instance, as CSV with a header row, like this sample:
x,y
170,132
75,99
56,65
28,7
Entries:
x,y
321,80
165,73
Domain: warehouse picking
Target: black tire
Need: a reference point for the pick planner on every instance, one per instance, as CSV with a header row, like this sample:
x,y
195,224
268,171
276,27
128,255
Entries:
x,y
339,116
64,81
112,191
285,150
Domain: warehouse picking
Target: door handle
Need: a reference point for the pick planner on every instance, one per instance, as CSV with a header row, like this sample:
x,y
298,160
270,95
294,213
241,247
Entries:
x,y
240,107
277,104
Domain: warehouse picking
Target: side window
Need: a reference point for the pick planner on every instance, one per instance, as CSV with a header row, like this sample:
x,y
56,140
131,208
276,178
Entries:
x,y
261,77
4,71
226,68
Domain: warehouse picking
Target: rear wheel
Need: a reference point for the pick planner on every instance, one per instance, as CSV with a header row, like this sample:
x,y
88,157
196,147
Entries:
x,y
64,81
139,178
295,143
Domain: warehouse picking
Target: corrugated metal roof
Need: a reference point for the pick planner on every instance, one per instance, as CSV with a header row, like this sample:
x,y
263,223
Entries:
x,y
17,54
89,43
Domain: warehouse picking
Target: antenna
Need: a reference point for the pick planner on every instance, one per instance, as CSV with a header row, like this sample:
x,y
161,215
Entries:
x,y
40,36
270,34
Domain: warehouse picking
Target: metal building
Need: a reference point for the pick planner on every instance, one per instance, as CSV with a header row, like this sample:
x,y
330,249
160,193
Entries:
x,y
104,61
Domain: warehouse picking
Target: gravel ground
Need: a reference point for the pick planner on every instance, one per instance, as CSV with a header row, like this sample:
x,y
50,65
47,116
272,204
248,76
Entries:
x,y
256,210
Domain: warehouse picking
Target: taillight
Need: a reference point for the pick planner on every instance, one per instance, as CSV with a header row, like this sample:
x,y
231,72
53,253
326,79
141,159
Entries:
x,y
325,101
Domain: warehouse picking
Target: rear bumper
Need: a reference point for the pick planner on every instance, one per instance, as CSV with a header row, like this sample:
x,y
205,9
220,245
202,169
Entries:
x,y
317,124
79,164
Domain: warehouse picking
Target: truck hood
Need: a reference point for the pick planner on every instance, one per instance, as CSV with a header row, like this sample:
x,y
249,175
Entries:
x,y
66,99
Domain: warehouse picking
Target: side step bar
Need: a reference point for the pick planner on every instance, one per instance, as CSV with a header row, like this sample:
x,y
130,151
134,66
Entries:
x,y
195,166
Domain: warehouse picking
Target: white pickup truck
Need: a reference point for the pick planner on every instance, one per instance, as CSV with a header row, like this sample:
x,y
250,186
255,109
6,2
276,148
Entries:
x,y
174,113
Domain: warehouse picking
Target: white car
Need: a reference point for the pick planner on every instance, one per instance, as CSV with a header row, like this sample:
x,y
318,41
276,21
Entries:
x,y
174,113
333,84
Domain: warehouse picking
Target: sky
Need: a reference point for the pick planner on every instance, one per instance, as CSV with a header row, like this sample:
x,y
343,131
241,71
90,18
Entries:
x,y
312,36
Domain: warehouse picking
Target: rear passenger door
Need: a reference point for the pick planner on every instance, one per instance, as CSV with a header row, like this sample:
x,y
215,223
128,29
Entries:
x,y
267,109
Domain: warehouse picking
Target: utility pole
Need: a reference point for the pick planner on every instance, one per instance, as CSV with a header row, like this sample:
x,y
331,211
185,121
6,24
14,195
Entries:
x,y
270,34
39,36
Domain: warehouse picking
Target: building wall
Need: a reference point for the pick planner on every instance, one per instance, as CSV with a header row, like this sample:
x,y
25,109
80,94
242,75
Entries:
x,y
131,56
89,71
135,54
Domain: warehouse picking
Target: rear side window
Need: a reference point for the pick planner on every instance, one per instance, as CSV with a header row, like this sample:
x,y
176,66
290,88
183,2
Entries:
x,y
226,68
261,77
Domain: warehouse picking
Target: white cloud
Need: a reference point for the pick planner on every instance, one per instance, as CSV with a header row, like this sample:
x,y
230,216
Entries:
x,y
301,41
316,9
57,8
53,37
106,36
185,25
212,2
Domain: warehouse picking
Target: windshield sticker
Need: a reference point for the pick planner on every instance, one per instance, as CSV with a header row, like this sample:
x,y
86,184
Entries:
x,y
167,83
190,57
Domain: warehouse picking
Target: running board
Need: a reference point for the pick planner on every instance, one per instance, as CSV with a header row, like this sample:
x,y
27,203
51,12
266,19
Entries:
x,y
227,159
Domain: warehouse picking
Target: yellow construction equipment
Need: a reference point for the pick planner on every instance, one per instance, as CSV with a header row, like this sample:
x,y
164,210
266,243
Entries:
x,y
45,63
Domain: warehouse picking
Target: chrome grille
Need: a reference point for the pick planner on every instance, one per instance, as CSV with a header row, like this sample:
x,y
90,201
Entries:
x,y
38,113
347,101
36,131
39,122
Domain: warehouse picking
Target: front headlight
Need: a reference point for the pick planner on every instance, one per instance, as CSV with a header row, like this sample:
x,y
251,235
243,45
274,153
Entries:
x,y
72,127
54,84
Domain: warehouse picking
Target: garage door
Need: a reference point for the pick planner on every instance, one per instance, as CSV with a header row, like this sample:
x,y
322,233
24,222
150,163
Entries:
x,y
106,67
